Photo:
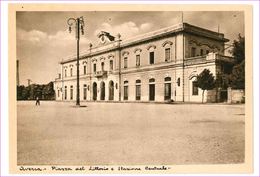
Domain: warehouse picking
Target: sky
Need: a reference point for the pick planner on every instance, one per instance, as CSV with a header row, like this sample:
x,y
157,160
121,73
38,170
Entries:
x,y
43,38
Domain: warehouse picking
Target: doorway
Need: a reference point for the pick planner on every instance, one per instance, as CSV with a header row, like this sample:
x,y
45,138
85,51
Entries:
x,y
151,92
111,90
102,90
94,91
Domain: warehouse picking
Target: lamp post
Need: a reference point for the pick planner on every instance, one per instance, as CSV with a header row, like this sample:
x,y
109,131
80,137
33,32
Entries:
x,y
79,26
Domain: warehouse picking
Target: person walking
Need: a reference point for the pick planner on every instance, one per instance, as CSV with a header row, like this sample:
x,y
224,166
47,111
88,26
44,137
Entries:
x,y
37,101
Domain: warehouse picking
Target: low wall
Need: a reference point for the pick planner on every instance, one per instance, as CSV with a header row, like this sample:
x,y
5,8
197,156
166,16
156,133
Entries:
x,y
236,96
211,96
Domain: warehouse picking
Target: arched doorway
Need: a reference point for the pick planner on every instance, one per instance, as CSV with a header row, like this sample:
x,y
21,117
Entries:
x,y
111,90
94,91
102,90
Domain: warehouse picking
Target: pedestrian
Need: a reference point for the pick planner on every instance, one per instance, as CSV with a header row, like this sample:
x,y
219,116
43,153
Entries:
x,y
37,101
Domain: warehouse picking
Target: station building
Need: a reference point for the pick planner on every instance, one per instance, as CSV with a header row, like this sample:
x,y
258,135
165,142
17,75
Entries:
x,y
158,66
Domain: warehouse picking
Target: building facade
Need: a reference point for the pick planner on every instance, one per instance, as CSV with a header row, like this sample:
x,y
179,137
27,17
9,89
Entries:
x,y
157,66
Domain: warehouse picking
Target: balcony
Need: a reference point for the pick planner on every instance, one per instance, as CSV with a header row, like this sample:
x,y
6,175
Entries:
x,y
99,74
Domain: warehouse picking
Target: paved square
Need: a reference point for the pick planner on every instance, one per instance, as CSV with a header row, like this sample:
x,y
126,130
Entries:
x,y
129,134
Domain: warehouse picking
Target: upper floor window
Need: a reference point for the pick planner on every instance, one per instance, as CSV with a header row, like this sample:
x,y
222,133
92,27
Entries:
x,y
152,80
207,51
102,66
193,51
85,69
65,73
167,54
151,56
137,60
71,71
201,52
111,65
94,67
125,62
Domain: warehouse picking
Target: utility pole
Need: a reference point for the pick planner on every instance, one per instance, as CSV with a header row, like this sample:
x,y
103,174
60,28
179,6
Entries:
x,y
79,25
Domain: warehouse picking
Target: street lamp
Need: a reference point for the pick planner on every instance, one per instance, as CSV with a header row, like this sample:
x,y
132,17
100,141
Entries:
x,y
79,26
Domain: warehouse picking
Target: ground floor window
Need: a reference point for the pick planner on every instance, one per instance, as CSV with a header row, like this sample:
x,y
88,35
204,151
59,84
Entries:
x,y
65,94
126,92
195,90
167,91
71,92
58,93
85,92
138,92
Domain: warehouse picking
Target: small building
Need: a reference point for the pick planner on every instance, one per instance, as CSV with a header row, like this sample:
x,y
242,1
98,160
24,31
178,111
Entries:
x,y
157,66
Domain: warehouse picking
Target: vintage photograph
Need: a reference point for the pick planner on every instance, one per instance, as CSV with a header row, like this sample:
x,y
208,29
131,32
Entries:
x,y
130,87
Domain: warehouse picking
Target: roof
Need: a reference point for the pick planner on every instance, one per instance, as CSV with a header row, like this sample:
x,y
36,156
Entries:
x,y
181,27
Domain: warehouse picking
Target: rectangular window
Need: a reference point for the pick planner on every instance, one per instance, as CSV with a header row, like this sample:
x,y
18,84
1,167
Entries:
x,y
71,72
111,65
137,60
85,69
193,52
65,73
125,62
102,66
85,92
65,94
151,57
138,92
201,52
94,67
71,92
167,54
125,92
195,90
167,91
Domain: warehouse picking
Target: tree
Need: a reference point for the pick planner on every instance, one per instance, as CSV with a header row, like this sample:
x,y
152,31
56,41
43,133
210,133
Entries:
x,y
206,81
237,77
238,51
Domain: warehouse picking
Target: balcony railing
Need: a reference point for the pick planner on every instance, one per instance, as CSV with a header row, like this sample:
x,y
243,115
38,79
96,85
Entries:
x,y
100,73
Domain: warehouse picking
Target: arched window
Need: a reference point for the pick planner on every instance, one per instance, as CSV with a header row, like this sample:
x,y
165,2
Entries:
x,y
167,88
111,65
138,81
125,90
85,69
71,92
167,79
138,89
152,80
84,91
102,66
71,71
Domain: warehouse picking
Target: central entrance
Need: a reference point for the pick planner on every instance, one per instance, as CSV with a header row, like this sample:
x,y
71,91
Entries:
x,y
111,90
94,91
102,90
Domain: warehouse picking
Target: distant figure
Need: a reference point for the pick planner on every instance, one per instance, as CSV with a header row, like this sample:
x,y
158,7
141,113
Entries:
x,y
37,101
